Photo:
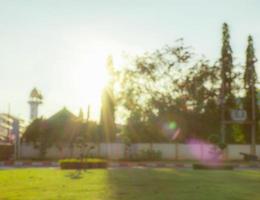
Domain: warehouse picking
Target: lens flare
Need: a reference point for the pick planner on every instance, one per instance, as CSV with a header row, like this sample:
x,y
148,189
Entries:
x,y
172,125
205,152
170,129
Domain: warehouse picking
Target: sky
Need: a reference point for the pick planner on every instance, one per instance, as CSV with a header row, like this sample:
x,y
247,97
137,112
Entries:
x,y
61,46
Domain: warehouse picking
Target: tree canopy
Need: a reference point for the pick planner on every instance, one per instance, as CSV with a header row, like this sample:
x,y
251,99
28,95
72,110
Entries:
x,y
172,86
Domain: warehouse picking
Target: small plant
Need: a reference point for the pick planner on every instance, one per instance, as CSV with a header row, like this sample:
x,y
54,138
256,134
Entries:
x,y
222,145
80,163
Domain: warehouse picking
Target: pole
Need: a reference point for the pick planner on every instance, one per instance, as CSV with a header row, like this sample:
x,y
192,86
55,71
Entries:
x,y
253,128
223,128
222,114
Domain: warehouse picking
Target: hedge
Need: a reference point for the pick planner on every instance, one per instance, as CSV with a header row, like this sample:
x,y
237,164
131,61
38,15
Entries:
x,y
213,167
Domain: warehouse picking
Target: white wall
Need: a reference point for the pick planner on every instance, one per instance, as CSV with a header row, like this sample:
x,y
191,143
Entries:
x,y
27,151
168,150
233,151
118,151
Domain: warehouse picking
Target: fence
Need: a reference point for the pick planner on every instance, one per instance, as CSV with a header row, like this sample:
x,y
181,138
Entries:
x,y
118,151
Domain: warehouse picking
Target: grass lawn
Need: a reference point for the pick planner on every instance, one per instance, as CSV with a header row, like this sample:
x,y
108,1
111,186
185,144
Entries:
x,y
126,184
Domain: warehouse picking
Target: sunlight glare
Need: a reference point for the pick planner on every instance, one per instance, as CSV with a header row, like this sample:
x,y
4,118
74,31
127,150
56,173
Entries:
x,y
90,77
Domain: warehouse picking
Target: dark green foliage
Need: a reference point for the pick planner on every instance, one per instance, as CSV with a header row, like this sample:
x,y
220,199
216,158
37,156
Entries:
x,y
168,85
60,130
222,146
163,87
139,131
63,127
250,80
227,90
227,74
213,167
216,140
39,135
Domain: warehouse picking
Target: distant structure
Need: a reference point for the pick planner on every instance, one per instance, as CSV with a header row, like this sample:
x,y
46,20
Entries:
x,y
35,100
8,127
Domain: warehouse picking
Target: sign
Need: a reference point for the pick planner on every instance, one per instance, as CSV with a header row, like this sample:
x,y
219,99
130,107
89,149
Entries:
x,y
17,138
238,115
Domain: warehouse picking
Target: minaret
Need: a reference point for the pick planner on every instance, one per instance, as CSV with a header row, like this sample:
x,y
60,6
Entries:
x,y
35,100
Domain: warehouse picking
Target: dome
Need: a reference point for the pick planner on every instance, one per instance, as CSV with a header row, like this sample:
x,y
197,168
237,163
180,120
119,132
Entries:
x,y
35,94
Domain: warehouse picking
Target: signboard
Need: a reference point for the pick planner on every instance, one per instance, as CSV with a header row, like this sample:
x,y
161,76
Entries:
x,y
15,132
238,115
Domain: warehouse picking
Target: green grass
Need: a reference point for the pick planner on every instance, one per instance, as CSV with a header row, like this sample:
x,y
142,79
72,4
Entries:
x,y
129,184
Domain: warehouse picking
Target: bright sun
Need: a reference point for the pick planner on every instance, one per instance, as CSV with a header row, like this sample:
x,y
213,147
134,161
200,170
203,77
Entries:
x,y
89,78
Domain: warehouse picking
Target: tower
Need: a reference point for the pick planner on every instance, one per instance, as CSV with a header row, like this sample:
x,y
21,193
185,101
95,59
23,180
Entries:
x,y
35,99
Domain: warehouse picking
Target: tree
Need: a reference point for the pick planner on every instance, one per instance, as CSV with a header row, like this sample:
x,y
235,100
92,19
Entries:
x,y
148,89
37,133
63,126
250,79
168,86
200,89
60,130
227,79
226,63
107,116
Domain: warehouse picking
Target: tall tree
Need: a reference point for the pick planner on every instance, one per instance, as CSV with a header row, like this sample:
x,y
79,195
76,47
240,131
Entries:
x,y
107,116
166,87
250,79
227,77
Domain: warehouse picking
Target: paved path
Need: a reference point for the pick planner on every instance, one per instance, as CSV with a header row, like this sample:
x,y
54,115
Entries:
x,y
27,164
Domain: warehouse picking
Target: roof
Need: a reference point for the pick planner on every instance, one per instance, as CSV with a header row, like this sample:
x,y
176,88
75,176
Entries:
x,y
62,114
35,94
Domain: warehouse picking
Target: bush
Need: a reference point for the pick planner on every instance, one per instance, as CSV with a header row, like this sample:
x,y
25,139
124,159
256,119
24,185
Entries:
x,y
6,152
83,164
147,155
212,167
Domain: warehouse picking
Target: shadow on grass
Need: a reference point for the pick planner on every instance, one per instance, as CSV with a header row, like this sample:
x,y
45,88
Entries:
x,y
142,183
77,174
164,184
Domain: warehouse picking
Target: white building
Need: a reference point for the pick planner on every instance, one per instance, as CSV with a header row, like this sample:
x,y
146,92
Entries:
x,y
35,99
7,127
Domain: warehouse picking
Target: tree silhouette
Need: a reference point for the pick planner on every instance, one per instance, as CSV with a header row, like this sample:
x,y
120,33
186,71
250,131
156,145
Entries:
x,y
227,80
250,79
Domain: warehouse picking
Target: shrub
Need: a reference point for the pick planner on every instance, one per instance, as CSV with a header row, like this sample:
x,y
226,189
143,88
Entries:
x,y
83,164
212,167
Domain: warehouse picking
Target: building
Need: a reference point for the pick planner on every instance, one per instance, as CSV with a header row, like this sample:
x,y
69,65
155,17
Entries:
x,y
8,125
35,99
